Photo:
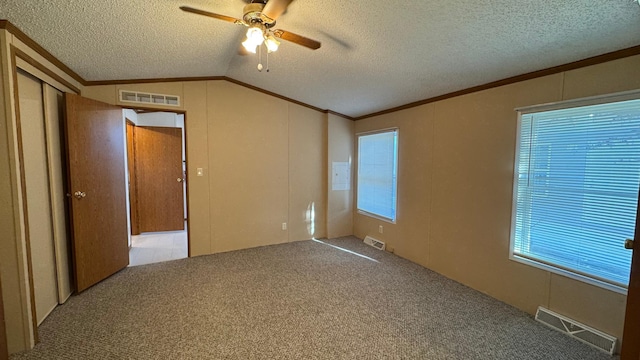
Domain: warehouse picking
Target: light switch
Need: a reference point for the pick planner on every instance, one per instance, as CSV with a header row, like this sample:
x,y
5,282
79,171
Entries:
x,y
199,172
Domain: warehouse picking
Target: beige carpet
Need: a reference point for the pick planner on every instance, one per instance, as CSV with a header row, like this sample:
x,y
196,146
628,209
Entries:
x,y
304,300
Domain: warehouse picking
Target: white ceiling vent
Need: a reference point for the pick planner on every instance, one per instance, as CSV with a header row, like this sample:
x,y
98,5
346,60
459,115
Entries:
x,y
584,333
149,98
374,242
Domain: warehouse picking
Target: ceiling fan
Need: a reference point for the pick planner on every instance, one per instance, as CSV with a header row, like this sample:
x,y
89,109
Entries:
x,y
260,17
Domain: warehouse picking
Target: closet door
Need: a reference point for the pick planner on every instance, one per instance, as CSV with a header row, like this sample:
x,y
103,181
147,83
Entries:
x,y
36,188
53,106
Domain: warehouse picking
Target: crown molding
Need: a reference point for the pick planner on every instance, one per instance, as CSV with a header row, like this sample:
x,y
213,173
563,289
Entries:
x,y
7,25
213,78
614,55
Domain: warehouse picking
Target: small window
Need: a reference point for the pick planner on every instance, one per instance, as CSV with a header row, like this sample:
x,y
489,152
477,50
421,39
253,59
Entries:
x,y
377,174
577,173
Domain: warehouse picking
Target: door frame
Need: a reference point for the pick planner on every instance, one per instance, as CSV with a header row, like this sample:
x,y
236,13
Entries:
x,y
133,189
630,346
144,109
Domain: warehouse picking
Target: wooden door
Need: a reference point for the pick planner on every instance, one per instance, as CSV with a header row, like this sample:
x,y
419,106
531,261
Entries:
x,y
159,178
631,336
96,151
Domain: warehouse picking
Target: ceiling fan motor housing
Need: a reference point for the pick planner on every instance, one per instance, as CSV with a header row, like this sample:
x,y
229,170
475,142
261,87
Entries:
x,y
252,13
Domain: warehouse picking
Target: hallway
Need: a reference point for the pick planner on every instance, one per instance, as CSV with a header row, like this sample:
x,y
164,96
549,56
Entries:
x,y
148,248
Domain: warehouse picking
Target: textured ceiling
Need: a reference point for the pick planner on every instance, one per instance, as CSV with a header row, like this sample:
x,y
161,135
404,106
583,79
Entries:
x,y
375,55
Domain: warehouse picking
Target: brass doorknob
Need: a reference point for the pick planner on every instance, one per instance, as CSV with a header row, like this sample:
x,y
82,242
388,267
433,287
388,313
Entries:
x,y
180,179
628,244
79,194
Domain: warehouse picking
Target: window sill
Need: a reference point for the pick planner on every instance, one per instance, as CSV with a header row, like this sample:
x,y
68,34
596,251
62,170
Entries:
x,y
572,275
378,217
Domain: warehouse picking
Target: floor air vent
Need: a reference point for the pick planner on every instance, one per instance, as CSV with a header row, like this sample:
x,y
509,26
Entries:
x,y
586,334
373,242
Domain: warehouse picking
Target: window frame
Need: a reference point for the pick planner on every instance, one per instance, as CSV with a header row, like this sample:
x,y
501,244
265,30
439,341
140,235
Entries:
x,y
395,182
540,264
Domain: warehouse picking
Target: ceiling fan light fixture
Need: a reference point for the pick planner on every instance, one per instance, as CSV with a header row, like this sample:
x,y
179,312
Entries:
x,y
255,34
272,43
260,17
249,46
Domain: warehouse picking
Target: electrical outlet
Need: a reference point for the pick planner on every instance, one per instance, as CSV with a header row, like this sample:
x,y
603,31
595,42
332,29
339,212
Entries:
x,y
284,226
380,229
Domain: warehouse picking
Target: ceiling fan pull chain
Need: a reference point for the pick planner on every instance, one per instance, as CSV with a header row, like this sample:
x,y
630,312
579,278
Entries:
x,y
260,58
267,61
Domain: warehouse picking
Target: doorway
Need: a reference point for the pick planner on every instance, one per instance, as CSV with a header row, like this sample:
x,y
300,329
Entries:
x,y
156,156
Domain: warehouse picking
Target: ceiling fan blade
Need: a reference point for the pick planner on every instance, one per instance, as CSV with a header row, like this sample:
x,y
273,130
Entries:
x,y
212,15
274,9
295,38
242,51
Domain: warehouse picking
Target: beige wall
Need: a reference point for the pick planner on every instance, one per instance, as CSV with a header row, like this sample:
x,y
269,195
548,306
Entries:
x,y
263,159
455,191
339,202
307,173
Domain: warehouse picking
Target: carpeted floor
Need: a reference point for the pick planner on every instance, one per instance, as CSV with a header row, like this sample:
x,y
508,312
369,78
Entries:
x,y
303,300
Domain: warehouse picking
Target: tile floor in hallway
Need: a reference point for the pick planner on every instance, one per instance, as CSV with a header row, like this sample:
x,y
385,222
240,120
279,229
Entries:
x,y
148,248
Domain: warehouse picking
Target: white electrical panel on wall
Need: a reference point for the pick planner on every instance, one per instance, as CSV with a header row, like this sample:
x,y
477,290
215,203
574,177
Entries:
x,y
341,176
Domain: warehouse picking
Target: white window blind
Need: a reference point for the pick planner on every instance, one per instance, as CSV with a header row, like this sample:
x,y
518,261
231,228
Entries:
x,y
576,190
377,167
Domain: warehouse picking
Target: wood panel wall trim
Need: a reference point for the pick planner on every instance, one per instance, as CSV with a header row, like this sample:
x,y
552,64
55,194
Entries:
x,y
255,88
7,25
33,62
594,60
152,80
14,70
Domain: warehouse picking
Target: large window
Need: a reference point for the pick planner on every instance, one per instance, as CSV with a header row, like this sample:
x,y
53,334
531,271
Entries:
x,y
377,171
576,190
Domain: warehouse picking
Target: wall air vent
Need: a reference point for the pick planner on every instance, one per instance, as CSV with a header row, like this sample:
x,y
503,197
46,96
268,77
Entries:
x,y
374,242
586,334
148,98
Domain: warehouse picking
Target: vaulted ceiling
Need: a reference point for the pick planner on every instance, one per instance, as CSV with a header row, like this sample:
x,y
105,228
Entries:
x,y
375,55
